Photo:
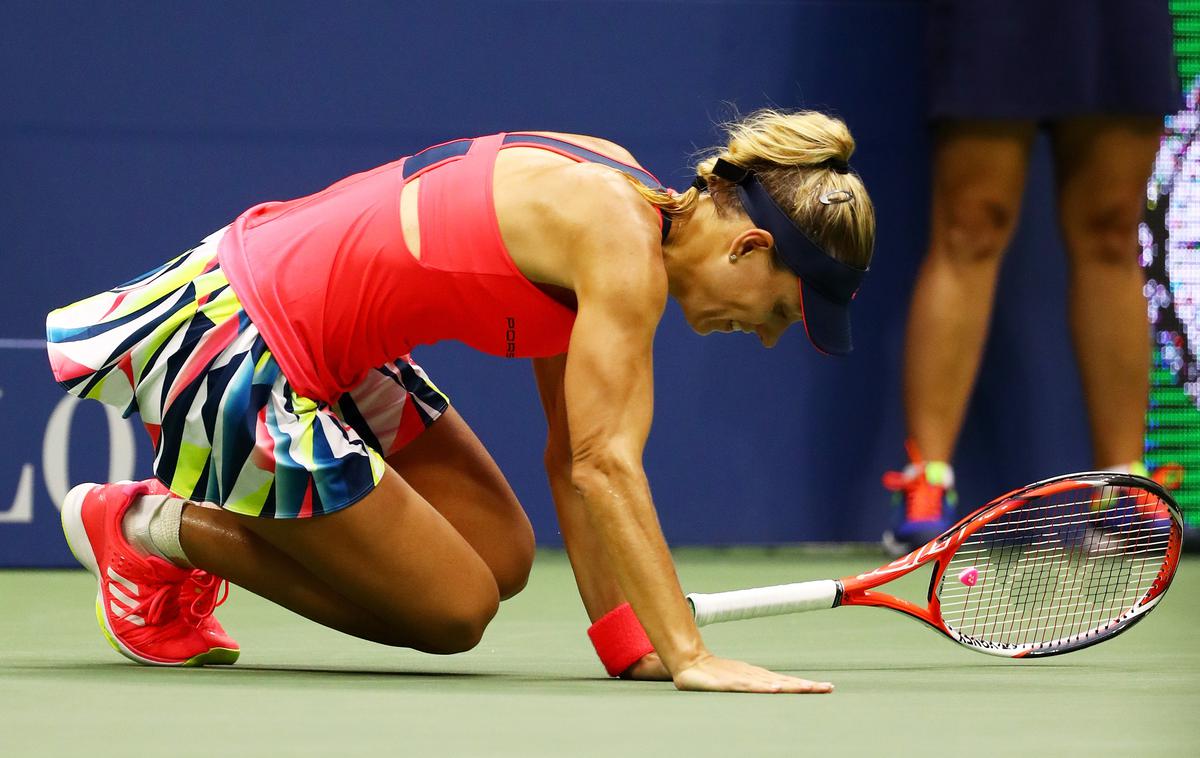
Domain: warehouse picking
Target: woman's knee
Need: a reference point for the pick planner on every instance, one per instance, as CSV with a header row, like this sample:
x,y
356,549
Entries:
x,y
978,179
450,624
1104,233
461,625
511,569
448,638
974,227
512,578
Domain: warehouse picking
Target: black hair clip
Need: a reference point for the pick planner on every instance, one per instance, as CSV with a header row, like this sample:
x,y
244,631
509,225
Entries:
x,y
838,165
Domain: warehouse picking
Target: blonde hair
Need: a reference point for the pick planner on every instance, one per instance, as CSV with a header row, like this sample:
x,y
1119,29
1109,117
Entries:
x,y
791,153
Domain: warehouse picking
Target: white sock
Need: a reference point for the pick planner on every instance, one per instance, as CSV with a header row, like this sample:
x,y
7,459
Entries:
x,y
152,526
939,473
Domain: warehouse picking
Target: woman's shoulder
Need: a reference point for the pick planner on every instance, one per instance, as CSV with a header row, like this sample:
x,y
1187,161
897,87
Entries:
x,y
598,144
578,220
577,196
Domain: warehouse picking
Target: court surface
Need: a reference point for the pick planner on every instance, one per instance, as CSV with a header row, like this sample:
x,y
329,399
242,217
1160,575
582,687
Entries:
x,y
533,686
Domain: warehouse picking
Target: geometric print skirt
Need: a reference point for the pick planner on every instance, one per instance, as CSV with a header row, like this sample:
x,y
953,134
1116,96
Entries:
x,y
176,347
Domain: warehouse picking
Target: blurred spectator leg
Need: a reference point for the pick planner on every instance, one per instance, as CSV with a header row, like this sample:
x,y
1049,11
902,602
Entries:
x,y
978,178
1103,164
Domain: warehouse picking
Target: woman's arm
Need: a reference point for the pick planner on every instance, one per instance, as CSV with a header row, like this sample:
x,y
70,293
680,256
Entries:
x,y
598,587
621,287
608,383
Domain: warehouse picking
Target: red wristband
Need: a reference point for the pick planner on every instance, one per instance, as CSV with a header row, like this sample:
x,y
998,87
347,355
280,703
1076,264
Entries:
x,y
619,639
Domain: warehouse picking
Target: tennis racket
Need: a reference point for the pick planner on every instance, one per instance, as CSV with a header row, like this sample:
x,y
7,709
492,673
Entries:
x,y
1046,569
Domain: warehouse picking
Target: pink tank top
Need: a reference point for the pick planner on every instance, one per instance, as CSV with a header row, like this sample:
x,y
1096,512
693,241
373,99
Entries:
x,y
335,292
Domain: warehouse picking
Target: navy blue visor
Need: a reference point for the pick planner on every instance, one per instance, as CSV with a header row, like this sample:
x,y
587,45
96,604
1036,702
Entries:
x,y
826,284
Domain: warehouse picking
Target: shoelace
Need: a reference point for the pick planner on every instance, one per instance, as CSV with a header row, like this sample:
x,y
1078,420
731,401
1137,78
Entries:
x,y
207,593
153,607
923,501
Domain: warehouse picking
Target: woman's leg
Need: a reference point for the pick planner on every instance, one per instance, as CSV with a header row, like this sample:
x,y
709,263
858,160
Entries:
x,y
223,543
1103,165
978,179
389,568
460,503
451,469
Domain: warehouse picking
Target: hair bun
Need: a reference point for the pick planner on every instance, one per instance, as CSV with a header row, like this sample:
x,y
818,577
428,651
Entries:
x,y
802,159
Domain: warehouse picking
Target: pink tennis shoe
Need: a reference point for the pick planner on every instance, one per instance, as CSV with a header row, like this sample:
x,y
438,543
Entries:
x,y
150,610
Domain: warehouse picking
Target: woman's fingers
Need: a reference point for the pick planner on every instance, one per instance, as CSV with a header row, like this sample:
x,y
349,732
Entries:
x,y
724,675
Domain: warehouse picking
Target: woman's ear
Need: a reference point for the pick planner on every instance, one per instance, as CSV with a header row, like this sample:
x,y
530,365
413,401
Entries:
x,y
750,240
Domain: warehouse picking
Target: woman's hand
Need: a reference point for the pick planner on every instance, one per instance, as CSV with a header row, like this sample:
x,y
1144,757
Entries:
x,y
650,668
714,674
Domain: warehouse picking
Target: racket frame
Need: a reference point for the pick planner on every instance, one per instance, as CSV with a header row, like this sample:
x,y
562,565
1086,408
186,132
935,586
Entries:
x,y
861,589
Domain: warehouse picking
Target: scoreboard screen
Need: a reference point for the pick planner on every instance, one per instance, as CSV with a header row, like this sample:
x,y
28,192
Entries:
x,y
1170,254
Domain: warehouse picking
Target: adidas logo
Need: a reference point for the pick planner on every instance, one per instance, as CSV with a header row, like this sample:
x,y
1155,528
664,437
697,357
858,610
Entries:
x,y
117,594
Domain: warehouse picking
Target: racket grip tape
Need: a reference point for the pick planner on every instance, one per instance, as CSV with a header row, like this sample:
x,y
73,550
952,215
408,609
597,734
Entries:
x,y
764,601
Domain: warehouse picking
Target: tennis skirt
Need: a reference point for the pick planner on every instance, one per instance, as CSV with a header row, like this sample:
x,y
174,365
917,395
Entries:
x,y
176,347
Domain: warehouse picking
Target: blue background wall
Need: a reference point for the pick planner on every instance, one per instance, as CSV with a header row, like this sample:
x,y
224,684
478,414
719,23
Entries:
x,y
130,131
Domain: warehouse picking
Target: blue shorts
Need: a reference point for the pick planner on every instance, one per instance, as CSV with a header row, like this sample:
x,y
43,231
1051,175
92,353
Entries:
x,y
1045,61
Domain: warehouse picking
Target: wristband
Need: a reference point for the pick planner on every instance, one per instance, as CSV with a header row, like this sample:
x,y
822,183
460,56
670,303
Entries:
x,y
619,639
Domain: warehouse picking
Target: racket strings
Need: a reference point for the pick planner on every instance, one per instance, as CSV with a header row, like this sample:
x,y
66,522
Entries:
x,y
1058,568
1033,576
1093,585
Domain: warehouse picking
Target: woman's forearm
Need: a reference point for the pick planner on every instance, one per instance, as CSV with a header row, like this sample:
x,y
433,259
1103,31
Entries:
x,y
619,509
598,585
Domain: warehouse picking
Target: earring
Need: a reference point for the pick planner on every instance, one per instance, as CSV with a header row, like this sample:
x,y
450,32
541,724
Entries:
x,y
733,258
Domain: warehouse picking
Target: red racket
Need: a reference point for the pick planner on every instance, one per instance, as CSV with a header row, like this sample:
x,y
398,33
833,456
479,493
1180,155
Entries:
x,y
1047,569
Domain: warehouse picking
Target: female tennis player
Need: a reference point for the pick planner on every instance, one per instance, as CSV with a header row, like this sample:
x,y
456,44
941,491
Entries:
x,y
297,456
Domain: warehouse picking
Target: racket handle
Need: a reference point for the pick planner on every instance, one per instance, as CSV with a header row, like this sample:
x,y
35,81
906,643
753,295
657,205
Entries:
x,y
764,601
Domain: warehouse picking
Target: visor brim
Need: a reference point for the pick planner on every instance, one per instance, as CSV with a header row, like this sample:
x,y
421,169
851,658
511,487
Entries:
x,y
827,323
